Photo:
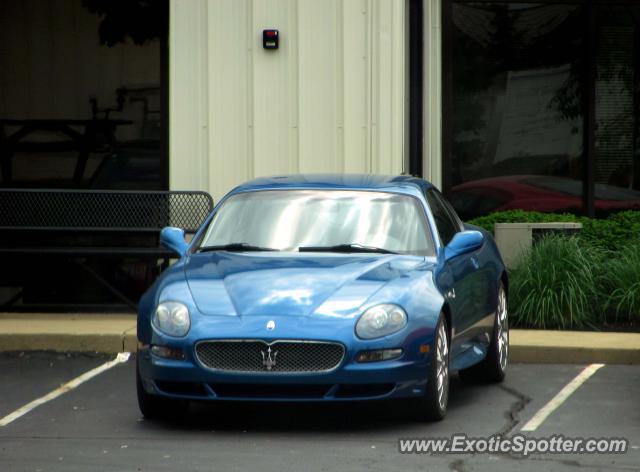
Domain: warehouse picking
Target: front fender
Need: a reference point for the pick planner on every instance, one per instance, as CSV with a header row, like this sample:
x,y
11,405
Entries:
x,y
416,293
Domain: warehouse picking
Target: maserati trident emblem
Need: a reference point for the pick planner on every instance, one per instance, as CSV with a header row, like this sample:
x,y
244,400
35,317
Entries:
x,y
267,359
271,325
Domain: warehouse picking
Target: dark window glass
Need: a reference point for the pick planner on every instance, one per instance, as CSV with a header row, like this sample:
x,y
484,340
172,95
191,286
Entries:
x,y
517,106
617,86
476,202
82,94
452,213
447,226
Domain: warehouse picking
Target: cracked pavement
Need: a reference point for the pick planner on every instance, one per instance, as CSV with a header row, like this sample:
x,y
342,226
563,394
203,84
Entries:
x,y
98,427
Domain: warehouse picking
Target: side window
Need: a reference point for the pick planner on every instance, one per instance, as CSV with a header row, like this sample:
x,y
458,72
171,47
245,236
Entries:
x,y
446,224
452,212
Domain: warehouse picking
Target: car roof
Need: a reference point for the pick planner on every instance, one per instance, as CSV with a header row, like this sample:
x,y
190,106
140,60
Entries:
x,y
395,183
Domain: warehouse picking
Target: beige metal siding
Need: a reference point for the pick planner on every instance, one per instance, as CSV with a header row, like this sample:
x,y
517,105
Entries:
x,y
432,145
331,99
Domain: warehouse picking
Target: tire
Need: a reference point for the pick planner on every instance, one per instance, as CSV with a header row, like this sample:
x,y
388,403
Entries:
x,y
493,367
433,405
155,407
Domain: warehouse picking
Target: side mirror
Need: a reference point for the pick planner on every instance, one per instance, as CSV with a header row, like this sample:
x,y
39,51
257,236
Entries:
x,y
462,243
173,238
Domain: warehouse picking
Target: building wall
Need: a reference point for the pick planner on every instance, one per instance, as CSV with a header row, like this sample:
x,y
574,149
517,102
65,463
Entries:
x,y
432,99
331,99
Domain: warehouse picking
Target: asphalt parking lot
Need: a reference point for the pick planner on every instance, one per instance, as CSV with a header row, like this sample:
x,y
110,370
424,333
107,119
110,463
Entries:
x,y
97,426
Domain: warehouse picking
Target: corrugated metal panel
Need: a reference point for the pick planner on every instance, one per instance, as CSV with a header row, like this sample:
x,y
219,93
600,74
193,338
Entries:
x,y
355,87
432,159
331,99
274,89
188,98
230,94
317,88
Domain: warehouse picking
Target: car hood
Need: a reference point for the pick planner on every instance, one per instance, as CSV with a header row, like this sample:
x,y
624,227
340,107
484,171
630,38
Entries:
x,y
295,284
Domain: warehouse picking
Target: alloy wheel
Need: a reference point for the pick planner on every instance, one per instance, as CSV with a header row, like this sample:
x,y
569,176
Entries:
x,y
502,333
442,366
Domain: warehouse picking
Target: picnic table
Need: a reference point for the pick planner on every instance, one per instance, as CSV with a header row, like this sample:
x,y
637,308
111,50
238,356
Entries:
x,y
85,136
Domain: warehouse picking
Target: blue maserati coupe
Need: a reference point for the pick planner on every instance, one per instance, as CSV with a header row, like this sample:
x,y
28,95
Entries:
x,y
324,288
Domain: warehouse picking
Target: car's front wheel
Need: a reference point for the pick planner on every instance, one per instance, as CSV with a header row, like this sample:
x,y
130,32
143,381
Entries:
x,y
433,405
154,407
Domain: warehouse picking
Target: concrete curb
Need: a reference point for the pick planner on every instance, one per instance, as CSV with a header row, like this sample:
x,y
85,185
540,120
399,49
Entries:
x,y
574,347
112,333
109,333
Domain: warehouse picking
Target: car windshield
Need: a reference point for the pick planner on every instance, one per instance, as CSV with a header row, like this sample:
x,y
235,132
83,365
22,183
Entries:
x,y
288,220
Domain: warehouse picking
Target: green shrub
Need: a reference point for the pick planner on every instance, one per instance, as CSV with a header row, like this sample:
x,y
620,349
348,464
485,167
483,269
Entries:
x,y
575,282
520,216
555,285
621,285
618,230
606,234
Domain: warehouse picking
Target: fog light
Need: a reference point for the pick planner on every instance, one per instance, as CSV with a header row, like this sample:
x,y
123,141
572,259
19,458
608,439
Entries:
x,y
167,352
378,355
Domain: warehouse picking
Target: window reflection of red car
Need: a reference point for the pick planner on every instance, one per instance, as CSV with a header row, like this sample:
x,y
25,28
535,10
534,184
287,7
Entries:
x,y
536,193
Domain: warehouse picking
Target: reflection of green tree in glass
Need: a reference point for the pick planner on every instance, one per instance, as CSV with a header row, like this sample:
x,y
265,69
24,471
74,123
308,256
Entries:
x,y
140,20
616,87
610,67
477,66
505,39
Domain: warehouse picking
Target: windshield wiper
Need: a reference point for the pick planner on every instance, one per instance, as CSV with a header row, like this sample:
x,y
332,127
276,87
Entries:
x,y
234,247
345,248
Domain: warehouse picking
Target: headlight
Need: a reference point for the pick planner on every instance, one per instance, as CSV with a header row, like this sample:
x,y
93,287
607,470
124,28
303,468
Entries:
x,y
172,318
381,320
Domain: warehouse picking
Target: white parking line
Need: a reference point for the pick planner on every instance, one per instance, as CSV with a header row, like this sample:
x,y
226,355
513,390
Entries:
x,y
560,397
120,358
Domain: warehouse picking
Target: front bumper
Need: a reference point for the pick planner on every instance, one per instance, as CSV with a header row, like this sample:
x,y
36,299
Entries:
x,y
350,381
399,378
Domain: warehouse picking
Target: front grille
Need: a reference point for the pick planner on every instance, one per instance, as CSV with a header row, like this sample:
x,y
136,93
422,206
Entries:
x,y
277,356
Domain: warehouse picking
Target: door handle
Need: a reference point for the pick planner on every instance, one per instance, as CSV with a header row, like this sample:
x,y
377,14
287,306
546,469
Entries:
x,y
474,262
